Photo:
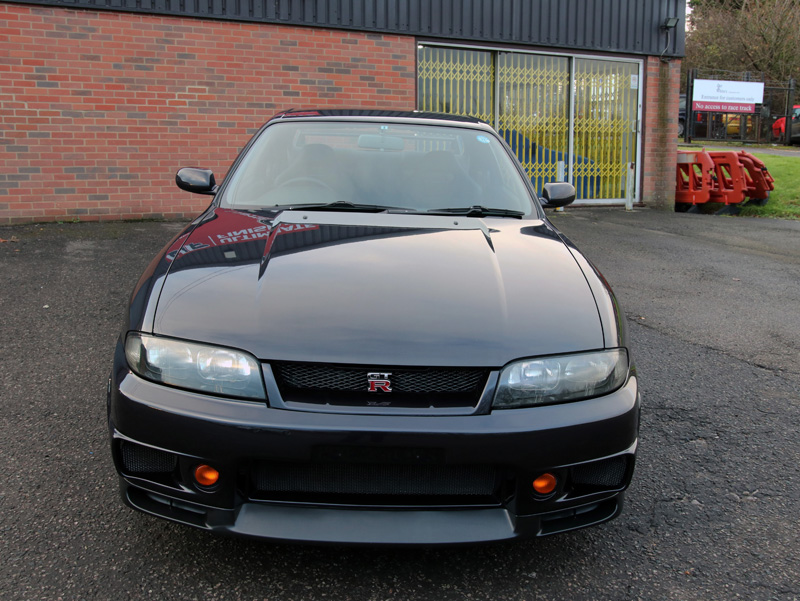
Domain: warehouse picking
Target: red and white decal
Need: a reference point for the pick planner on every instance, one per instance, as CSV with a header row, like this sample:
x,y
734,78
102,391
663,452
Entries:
x,y
379,382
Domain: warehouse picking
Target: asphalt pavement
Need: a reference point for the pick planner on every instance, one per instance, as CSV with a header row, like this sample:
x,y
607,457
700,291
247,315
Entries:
x,y
713,309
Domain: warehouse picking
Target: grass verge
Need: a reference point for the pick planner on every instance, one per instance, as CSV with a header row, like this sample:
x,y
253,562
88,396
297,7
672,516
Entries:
x,y
784,201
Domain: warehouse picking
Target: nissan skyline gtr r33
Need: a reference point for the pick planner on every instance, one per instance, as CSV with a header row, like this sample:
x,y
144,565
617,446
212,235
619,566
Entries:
x,y
374,335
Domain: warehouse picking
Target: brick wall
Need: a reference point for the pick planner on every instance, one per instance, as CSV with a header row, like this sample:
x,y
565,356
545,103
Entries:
x,y
660,133
99,109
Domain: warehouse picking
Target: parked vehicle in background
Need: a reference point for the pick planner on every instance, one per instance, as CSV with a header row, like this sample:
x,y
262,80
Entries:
x,y
795,128
700,121
733,125
779,127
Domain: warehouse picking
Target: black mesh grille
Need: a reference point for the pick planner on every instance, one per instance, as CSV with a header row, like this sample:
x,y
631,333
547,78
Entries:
x,y
403,483
411,380
608,472
350,385
439,380
140,459
320,377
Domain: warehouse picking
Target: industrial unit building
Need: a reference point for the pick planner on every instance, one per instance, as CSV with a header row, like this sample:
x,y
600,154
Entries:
x,y
103,100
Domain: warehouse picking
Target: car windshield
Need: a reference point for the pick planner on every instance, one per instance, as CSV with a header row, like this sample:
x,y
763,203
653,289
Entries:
x,y
372,166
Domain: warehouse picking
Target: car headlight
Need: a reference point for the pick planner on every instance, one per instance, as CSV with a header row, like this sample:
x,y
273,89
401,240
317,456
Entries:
x,y
210,369
557,379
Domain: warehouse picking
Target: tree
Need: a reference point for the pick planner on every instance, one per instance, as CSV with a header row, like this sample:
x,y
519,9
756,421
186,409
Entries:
x,y
745,35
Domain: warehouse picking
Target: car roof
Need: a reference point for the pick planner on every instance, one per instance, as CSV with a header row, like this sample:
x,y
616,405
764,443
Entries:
x,y
376,115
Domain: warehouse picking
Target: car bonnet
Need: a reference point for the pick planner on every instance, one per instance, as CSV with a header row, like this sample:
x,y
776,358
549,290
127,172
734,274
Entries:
x,y
387,289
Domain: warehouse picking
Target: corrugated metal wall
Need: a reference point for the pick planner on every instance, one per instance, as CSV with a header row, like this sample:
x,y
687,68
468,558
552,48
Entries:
x,y
627,26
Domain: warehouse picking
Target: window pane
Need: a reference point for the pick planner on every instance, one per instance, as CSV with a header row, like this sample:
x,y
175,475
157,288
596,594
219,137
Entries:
x,y
459,82
534,113
606,102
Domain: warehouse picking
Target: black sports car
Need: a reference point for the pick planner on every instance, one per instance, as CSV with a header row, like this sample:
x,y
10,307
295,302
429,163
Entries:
x,y
374,335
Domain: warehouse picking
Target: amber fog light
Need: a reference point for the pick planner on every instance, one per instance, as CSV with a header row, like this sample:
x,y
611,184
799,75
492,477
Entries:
x,y
206,475
545,484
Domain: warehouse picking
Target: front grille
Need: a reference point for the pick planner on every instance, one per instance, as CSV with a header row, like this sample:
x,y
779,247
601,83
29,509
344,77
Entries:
x,y
410,386
425,380
139,459
381,484
606,473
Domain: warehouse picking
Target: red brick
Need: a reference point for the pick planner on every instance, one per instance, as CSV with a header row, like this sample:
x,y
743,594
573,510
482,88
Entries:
x,y
659,144
126,126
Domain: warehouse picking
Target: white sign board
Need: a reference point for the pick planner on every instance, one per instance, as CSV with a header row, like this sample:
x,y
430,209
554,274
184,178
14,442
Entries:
x,y
727,96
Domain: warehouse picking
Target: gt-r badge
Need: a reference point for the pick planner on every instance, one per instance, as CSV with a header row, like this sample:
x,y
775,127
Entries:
x,y
379,382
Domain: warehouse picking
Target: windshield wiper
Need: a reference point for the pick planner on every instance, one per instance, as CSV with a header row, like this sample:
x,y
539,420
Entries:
x,y
478,211
339,205
343,205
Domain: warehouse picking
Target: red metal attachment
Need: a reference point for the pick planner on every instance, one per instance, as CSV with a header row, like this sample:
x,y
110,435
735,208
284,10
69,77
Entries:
x,y
694,178
759,182
725,177
731,181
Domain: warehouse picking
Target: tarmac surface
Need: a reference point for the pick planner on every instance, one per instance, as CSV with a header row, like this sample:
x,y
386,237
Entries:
x,y
713,309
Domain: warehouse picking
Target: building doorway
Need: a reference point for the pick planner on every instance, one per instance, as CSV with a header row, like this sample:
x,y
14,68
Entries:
x,y
567,118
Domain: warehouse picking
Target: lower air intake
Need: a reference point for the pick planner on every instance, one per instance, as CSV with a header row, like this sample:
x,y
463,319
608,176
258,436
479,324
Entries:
x,y
374,480
607,473
139,459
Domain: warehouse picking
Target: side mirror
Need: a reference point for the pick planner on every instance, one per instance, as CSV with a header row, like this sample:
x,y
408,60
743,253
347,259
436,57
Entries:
x,y
558,194
199,181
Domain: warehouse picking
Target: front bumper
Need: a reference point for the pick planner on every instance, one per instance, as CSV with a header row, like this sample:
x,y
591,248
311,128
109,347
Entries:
x,y
320,525
234,436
